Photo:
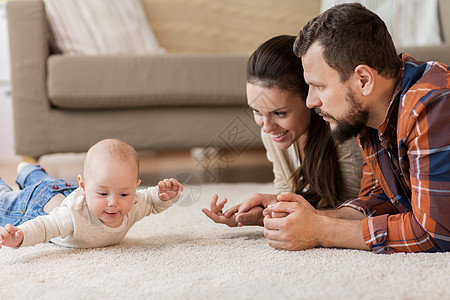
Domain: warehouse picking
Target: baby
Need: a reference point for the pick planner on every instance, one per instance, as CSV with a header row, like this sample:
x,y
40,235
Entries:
x,y
98,213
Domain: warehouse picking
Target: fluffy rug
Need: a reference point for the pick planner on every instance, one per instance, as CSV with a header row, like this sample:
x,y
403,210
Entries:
x,y
181,254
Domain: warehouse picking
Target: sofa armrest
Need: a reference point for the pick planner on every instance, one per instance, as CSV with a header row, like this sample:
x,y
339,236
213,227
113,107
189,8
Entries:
x,y
29,49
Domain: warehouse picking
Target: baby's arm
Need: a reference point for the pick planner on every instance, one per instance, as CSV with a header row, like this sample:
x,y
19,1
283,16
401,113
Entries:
x,y
169,188
11,236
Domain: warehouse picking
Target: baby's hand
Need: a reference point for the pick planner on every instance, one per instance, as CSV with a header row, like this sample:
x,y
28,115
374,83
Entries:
x,y
169,188
11,236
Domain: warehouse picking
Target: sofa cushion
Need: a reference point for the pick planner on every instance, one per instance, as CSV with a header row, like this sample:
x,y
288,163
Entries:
x,y
427,53
86,27
76,82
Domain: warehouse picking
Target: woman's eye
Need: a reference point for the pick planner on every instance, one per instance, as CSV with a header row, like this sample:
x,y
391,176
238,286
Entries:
x,y
280,114
257,112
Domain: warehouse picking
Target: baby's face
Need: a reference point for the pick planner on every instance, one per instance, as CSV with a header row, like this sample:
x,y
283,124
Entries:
x,y
110,187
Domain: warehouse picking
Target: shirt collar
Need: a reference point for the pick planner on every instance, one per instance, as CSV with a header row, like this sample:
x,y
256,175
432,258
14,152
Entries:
x,y
390,122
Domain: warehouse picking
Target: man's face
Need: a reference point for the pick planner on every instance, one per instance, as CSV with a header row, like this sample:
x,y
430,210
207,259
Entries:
x,y
331,98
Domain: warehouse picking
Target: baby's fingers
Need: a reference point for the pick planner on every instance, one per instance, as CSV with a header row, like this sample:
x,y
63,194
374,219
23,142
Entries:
x,y
175,184
6,233
162,186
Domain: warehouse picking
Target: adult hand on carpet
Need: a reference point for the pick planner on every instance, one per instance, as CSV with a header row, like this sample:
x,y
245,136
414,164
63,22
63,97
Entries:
x,y
11,236
231,217
215,213
257,200
250,211
297,230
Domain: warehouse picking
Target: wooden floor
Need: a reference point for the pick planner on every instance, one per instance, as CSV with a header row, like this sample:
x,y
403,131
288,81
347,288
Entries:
x,y
249,166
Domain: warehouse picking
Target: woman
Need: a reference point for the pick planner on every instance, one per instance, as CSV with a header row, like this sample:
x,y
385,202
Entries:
x,y
305,158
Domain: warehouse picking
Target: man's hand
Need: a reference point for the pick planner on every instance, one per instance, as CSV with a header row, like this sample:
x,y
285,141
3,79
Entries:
x,y
297,230
304,227
250,211
11,236
257,199
169,188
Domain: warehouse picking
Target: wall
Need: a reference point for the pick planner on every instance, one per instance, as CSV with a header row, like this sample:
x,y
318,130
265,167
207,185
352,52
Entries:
x,y
6,132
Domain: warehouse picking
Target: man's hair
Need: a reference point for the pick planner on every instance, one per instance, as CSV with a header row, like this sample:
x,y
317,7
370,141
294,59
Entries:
x,y
351,35
111,149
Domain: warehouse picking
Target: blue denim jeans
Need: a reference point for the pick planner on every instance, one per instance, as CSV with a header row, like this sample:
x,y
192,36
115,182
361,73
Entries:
x,y
36,189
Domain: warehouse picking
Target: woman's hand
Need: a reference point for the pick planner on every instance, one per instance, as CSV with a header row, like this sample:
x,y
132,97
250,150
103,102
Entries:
x,y
215,213
252,216
250,212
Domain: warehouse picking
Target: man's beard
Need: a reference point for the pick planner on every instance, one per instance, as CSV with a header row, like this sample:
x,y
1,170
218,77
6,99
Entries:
x,y
352,124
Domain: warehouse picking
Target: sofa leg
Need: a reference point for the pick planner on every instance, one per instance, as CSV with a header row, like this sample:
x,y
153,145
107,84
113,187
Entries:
x,y
30,159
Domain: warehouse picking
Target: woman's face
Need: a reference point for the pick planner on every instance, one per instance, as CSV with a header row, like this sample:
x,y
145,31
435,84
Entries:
x,y
281,113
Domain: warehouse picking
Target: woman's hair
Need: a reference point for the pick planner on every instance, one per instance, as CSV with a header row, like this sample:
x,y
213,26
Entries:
x,y
274,64
351,35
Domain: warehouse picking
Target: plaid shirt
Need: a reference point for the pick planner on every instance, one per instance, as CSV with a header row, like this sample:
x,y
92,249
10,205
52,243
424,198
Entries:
x,y
405,189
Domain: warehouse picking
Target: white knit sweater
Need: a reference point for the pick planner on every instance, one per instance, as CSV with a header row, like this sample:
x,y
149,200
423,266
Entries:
x,y
73,225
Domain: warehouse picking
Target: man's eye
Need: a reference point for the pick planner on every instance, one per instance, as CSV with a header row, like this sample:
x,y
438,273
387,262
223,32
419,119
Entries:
x,y
280,114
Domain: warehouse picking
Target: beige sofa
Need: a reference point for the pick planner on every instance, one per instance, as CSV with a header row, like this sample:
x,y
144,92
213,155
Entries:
x,y
193,96
178,100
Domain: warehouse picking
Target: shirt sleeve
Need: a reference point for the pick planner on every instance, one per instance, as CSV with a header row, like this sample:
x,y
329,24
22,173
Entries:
x,y
426,226
154,204
371,199
44,228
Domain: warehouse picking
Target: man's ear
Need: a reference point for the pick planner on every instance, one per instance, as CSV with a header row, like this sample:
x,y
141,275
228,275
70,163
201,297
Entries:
x,y
366,79
82,184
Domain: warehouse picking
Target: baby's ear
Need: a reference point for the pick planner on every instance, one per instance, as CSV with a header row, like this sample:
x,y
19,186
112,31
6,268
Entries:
x,y
138,183
81,183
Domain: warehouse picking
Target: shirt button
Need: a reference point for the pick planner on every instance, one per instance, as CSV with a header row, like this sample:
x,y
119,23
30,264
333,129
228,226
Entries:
x,y
55,187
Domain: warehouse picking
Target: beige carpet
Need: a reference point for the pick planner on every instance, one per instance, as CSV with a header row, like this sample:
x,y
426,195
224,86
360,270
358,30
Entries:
x,y
180,254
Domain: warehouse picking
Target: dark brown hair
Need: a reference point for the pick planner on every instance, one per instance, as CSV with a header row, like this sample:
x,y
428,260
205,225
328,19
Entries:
x,y
351,35
274,64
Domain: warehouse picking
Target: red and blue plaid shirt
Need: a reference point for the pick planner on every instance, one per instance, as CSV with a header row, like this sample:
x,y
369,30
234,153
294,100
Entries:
x,y
405,189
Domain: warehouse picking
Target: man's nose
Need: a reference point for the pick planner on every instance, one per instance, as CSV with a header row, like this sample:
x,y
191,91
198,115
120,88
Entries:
x,y
312,100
